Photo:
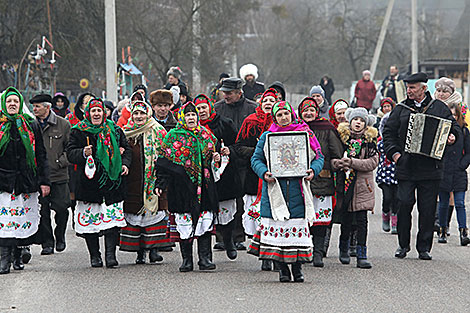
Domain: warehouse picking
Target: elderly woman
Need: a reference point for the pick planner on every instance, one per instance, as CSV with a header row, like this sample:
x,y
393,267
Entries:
x,y
102,155
25,173
143,210
283,234
184,168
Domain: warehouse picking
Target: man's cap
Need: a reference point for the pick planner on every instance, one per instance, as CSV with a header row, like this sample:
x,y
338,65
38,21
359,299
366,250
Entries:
x,y
232,83
41,98
417,78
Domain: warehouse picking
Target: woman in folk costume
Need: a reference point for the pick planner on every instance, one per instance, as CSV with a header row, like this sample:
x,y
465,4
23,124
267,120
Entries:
x,y
229,186
357,172
144,211
252,128
286,204
184,169
323,187
24,174
100,150
336,112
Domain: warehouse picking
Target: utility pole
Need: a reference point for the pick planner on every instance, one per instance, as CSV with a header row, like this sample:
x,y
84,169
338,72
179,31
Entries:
x,y
467,95
110,43
380,42
196,48
48,7
414,36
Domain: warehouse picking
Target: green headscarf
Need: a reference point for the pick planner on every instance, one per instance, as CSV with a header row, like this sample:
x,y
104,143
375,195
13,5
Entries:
x,y
22,122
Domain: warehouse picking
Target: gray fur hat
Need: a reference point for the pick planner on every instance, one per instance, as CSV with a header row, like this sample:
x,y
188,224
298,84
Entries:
x,y
362,113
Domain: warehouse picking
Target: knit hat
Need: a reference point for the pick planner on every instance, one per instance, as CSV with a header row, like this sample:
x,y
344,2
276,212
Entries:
x,y
174,71
340,104
161,96
248,69
387,100
223,75
141,106
317,89
446,84
366,72
362,113
140,86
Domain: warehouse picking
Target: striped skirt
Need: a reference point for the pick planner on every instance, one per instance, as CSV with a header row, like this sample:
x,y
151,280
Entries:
x,y
135,238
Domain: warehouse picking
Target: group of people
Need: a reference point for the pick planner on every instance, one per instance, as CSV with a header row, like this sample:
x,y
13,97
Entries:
x,y
158,174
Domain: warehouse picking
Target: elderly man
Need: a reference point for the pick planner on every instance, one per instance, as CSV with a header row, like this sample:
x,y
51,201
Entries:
x,y
393,86
161,101
55,133
415,172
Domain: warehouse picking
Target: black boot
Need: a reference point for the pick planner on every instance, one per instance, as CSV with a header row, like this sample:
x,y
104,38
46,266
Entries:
x,y
5,259
227,232
140,257
266,265
26,254
186,247
17,260
442,235
284,273
154,256
318,245
327,241
297,272
353,243
93,245
110,242
204,252
464,240
362,257
344,252
276,266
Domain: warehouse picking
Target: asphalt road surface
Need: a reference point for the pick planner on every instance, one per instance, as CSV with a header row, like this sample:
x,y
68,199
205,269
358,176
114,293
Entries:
x,y
65,282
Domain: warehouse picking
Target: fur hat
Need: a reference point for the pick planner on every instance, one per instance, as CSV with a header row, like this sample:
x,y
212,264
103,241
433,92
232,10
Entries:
x,y
445,84
317,89
174,71
362,113
161,96
248,69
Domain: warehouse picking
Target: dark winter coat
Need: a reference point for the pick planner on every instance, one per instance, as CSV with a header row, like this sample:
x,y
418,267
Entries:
x,y
135,181
229,186
414,166
245,149
170,122
237,111
251,90
15,174
365,93
89,190
329,88
456,160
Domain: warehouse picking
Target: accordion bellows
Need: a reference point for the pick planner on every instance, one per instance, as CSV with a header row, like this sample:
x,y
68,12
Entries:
x,y
427,135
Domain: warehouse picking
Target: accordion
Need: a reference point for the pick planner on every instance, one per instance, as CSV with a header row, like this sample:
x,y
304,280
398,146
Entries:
x,y
427,135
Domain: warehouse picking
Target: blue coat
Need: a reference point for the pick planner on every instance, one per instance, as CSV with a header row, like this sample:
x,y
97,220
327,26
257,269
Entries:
x,y
295,202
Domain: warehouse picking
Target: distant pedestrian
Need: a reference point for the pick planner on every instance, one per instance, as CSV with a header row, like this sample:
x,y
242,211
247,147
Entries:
x,y
326,83
60,104
365,91
252,87
393,86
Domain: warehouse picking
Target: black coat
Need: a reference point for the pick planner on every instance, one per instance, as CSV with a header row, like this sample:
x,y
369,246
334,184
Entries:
x,y
414,166
245,149
15,174
237,111
456,160
229,186
89,190
251,90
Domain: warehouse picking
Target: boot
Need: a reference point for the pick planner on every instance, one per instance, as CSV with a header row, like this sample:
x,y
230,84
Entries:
x,y
93,245
318,245
464,240
140,257
276,266
26,254
230,249
5,259
394,222
362,257
284,273
110,241
154,256
186,247
327,241
386,222
297,272
442,235
344,252
353,243
204,252
266,265
17,260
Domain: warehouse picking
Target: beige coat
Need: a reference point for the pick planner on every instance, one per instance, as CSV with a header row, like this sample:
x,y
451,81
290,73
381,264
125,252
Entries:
x,y
364,189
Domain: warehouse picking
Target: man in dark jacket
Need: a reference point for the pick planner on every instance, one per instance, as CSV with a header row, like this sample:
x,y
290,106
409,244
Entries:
x,y
236,107
55,134
415,173
249,73
393,86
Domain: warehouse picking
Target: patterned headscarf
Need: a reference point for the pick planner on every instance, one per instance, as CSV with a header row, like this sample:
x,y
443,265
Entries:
x,y
308,103
107,142
202,98
190,148
22,122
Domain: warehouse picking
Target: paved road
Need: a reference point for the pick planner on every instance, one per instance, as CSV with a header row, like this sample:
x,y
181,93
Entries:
x,y
64,282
